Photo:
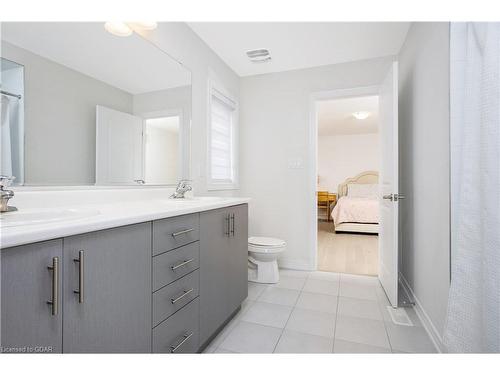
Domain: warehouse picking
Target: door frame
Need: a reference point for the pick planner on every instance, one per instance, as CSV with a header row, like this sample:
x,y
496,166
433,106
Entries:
x,y
314,98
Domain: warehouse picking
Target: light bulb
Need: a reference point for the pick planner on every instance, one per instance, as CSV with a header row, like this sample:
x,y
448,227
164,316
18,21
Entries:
x,y
361,115
118,28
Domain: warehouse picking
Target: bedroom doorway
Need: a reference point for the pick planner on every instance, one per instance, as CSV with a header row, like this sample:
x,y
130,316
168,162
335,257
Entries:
x,y
348,159
348,216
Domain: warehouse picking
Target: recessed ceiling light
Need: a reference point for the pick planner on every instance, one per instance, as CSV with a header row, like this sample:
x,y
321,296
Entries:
x,y
259,55
145,25
127,28
361,115
118,28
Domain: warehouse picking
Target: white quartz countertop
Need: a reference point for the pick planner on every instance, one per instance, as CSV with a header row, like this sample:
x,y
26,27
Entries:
x,y
94,217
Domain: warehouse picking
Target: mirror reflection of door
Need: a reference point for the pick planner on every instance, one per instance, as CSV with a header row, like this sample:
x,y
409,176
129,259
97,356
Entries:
x,y
161,150
137,150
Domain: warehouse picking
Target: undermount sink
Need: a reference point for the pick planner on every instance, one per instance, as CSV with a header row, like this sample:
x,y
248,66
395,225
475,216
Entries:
x,y
43,216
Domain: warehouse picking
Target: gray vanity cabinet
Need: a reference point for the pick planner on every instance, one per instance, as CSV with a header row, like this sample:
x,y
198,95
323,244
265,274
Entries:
x,y
113,270
223,266
29,280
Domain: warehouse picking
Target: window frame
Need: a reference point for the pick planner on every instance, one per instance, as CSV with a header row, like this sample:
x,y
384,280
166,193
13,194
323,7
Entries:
x,y
214,89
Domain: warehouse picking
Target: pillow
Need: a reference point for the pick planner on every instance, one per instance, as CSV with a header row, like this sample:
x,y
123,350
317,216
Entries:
x,y
362,191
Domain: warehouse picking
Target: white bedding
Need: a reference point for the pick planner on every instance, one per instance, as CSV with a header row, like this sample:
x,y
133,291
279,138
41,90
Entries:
x,y
356,210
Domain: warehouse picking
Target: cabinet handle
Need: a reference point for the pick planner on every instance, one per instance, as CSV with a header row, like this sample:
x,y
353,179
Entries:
x,y
184,294
181,264
184,339
55,286
232,225
80,290
227,225
175,234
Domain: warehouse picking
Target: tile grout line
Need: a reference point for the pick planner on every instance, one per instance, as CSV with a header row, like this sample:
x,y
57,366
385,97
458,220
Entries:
x,y
385,325
291,312
336,314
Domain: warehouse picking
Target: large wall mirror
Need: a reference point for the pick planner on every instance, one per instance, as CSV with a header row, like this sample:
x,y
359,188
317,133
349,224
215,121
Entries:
x,y
81,106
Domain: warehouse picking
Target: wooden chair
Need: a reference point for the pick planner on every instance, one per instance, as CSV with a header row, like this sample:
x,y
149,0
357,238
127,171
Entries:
x,y
324,203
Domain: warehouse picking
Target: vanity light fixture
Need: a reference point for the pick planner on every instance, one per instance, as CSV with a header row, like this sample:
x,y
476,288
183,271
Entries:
x,y
127,28
361,115
118,28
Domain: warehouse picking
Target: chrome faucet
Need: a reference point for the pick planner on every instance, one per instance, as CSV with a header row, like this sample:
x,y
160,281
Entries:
x,y
182,188
5,195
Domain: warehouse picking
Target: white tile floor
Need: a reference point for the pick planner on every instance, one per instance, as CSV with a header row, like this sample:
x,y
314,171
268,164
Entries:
x,y
319,312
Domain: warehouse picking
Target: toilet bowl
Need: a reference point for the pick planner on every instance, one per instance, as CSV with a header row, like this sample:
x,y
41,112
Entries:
x,y
263,253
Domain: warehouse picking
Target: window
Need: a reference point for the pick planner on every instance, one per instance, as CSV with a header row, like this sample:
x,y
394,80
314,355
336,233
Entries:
x,y
222,171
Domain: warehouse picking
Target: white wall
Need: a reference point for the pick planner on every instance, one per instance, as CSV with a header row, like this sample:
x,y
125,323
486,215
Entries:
x,y
184,45
425,166
343,156
57,124
274,133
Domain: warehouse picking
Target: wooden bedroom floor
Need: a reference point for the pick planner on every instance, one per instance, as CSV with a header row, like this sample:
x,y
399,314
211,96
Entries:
x,y
346,252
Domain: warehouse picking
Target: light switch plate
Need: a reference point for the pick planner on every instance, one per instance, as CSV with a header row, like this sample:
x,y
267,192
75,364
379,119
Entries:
x,y
295,163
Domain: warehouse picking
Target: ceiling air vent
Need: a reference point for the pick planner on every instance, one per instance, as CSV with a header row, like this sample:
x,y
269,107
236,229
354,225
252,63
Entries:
x,y
259,55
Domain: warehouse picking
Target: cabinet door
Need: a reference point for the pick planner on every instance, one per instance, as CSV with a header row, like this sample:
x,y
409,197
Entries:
x,y
215,282
237,257
114,313
28,323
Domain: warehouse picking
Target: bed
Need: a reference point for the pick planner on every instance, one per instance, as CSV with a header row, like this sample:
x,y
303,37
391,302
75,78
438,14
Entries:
x,y
357,210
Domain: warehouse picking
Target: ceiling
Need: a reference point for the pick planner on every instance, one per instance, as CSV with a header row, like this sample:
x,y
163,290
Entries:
x,y
335,116
129,63
297,45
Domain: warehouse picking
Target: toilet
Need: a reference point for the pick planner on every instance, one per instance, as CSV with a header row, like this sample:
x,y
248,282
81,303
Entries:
x,y
263,253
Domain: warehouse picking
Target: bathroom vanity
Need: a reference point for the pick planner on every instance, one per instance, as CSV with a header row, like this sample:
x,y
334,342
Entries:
x,y
164,285
98,259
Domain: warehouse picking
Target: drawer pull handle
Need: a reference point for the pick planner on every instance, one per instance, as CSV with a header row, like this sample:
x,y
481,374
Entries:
x,y
181,232
186,292
186,262
55,286
80,262
185,338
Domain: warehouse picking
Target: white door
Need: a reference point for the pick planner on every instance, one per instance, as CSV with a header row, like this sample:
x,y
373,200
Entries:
x,y
388,180
119,148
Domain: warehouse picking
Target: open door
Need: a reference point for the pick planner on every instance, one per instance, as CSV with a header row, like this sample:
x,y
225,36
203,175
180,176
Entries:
x,y
119,148
388,180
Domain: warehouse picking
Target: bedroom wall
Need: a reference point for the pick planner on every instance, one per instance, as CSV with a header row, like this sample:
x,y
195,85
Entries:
x,y
343,156
425,167
275,143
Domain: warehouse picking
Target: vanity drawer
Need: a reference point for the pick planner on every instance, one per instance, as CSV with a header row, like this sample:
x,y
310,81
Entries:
x,y
172,265
171,298
174,232
180,332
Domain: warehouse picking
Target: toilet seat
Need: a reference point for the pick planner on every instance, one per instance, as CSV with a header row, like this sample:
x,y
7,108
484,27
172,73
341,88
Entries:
x,y
265,242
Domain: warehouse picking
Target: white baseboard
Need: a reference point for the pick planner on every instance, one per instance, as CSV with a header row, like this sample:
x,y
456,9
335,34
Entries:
x,y
433,333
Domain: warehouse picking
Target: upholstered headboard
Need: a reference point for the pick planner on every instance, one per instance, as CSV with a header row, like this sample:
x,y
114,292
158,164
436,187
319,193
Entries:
x,y
368,177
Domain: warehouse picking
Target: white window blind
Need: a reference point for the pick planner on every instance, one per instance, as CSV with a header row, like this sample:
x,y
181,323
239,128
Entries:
x,y
221,149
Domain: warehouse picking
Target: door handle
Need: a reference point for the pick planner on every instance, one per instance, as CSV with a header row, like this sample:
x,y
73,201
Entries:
x,y
54,302
398,197
232,225
388,196
228,230
80,290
